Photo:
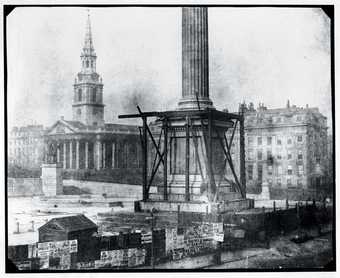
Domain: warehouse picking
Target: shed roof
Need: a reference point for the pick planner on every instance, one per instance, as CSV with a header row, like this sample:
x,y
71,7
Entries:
x,y
71,223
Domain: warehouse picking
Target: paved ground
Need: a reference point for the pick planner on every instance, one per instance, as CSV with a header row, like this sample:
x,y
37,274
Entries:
x,y
283,254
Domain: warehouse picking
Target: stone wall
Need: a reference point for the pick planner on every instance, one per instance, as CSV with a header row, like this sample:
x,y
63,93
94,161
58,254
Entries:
x,y
110,189
24,187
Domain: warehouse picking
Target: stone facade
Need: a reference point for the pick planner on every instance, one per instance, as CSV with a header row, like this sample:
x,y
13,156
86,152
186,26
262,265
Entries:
x,y
286,147
25,146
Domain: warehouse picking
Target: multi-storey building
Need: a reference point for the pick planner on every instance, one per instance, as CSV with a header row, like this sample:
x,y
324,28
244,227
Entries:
x,y
25,146
285,148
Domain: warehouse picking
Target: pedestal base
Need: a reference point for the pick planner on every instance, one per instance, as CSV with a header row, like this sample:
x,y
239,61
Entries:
x,y
52,181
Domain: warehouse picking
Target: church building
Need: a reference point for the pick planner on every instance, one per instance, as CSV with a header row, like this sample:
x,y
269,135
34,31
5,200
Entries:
x,y
86,144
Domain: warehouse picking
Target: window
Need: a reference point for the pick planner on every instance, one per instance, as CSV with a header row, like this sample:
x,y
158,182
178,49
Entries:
x,y
91,64
269,141
290,170
250,140
300,170
250,155
259,173
79,95
279,142
87,64
299,183
279,170
269,156
289,155
259,141
300,154
289,141
279,156
289,182
299,138
270,170
278,182
259,155
93,94
250,172
78,111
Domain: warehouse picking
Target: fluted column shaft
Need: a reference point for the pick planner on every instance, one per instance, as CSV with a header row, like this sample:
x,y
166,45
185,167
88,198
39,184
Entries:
x,y
86,155
195,59
77,154
64,155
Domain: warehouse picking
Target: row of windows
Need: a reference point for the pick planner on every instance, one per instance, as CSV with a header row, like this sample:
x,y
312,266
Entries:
x,y
87,63
270,119
270,156
289,171
278,181
270,140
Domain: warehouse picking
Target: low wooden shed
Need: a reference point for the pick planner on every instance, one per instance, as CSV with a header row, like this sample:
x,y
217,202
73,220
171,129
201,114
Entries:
x,y
77,227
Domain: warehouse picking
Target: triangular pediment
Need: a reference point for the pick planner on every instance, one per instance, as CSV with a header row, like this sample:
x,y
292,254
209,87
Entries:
x,y
60,128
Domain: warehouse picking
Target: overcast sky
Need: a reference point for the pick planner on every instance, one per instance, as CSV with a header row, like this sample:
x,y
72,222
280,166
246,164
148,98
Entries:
x,y
264,55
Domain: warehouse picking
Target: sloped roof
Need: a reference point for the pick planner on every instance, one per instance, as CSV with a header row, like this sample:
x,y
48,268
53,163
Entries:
x,y
76,124
71,223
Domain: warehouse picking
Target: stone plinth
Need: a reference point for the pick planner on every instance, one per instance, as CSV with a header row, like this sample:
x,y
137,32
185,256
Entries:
x,y
52,181
265,191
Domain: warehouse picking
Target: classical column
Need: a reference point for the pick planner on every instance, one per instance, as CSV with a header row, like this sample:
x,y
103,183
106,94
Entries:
x,y
86,155
195,59
58,153
64,158
113,154
104,155
71,155
98,155
77,154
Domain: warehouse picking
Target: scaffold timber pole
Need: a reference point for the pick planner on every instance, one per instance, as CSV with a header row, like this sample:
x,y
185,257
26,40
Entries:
x,y
242,157
165,169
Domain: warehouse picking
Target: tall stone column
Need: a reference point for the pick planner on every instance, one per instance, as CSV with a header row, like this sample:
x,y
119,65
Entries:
x,y
104,155
77,154
71,155
64,154
98,155
113,155
195,59
58,154
86,155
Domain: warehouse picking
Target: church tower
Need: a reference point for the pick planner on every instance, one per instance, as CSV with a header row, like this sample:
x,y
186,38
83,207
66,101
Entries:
x,y
88,107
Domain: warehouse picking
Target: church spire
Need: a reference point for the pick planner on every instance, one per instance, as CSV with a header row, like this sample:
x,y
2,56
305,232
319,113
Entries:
x,y
88,43
88,55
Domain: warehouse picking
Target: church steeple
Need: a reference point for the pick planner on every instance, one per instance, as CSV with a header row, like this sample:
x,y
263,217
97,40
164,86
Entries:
x,y
88,44
88,55
88,106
